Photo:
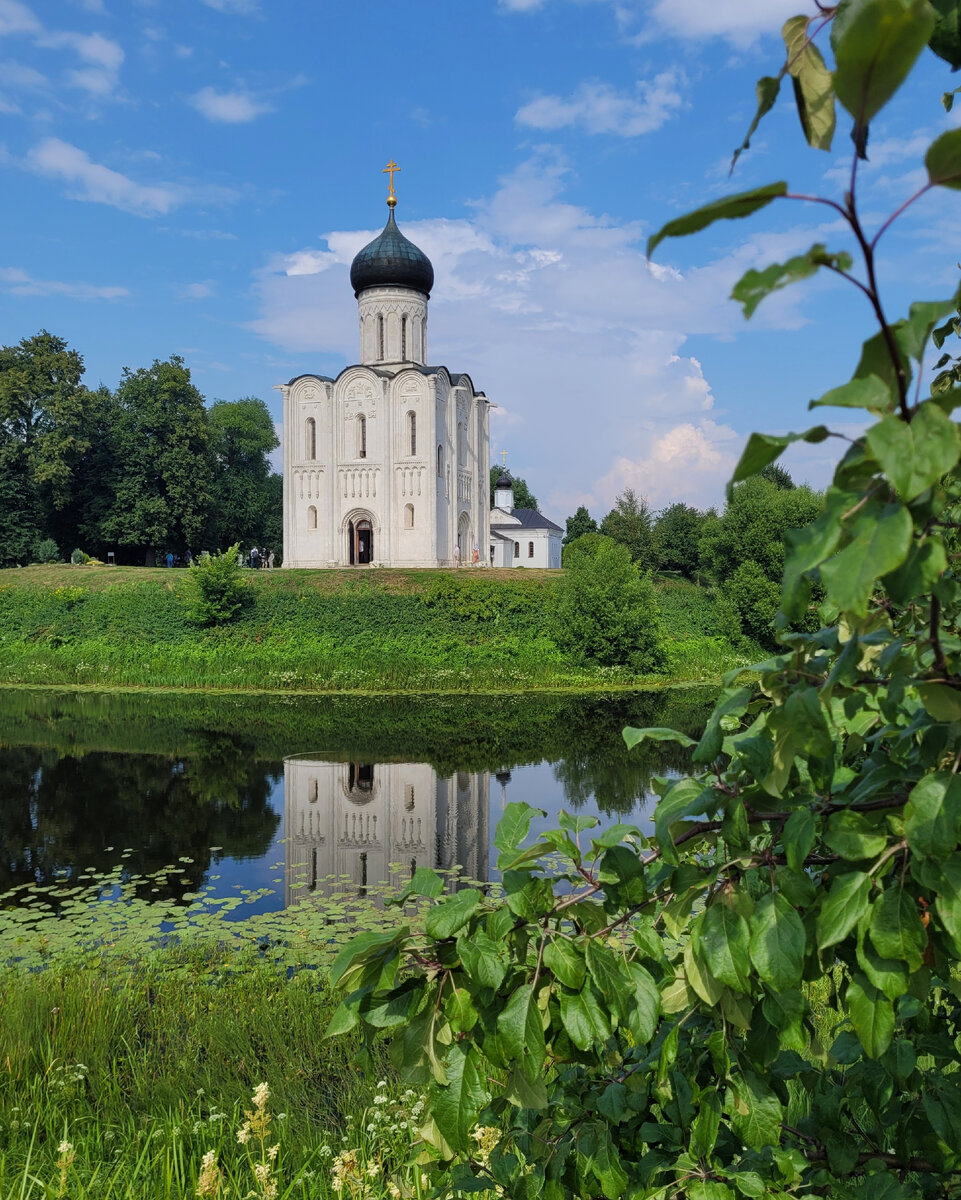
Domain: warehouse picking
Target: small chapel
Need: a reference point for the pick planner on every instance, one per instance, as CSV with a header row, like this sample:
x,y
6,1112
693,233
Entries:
x,y
388,464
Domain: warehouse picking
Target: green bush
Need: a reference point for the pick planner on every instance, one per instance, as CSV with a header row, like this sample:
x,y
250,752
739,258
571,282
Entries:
x,y
46,551
607,611
216,588
756,599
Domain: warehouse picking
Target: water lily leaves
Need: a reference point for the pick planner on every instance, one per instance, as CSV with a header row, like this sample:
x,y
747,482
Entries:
x,y
876,43
743,204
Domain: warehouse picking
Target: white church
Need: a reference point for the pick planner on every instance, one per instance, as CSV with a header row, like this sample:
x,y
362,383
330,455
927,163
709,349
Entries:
x,y
388,464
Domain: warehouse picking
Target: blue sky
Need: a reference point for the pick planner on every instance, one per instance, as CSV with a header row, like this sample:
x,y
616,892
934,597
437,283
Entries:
x,y
194,176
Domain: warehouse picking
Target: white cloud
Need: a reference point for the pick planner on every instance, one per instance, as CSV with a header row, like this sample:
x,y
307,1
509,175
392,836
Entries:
x,y
599,108
740,22
195,291
20,78
520,5
18,283
228,107
94,182
233,6
17,18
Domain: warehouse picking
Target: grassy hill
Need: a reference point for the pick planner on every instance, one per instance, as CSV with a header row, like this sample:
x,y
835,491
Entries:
x,y
332,631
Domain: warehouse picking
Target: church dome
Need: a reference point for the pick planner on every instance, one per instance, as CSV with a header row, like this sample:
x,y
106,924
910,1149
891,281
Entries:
x,y
391,260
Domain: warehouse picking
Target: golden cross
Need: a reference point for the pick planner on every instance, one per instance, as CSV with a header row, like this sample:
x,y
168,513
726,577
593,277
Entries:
x,y
389,170
504,458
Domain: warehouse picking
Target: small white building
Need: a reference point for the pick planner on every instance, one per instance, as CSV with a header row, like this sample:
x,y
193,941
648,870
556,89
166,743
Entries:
x,y
521,537
388,464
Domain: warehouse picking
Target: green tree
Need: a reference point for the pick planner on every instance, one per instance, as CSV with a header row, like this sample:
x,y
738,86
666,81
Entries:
x,y
217,590
606,610
523,496
761,1000
676,535
241,438
630,523
582,522
45,414
163,493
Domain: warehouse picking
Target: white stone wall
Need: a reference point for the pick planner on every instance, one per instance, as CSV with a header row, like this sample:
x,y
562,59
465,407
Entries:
x,y
383,336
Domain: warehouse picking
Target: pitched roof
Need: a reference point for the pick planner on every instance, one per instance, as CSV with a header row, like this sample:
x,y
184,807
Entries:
x,y
529,518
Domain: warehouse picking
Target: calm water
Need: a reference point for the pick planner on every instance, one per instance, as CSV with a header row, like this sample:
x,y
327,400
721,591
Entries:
x,y
274,792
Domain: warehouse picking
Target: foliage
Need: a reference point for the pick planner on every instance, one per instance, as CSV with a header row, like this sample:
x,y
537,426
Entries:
x,y
582,522
243,492
676,534
762,999
755,599
588,545
46,551
607,611
523,496
217,590
630,523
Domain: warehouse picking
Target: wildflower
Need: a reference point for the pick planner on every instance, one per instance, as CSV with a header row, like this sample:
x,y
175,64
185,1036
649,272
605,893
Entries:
x,y
210,1178
272,1152
243,1134
261,1096
394,1190
65,1161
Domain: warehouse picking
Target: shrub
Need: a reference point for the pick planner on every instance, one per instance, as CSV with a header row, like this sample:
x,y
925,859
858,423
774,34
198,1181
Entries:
x,y
46,551
756,598
607,611
216,589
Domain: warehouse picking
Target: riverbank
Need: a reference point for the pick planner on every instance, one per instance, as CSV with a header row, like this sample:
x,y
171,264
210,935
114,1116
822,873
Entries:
x,y
371,631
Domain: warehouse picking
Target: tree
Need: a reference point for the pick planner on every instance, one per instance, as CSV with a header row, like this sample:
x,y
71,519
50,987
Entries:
x,y
242,436
778,475
582,522
676,535
163,493
217,590
629,522
523,496
606,610
761,1000
45,415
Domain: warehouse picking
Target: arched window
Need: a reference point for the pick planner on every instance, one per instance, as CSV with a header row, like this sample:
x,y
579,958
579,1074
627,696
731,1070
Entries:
x,y
530,549
403,338
517,549
311,517
461,445
361,437
311,438
440,460
408,516
412,433
380,338
423,339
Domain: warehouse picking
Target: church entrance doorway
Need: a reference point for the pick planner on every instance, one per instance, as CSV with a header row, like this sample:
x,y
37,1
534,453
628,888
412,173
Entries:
x,y
463,538
360,542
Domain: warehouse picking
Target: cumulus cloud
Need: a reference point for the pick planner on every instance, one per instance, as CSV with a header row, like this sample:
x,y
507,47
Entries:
x,y
231,108
554,313
18,283
100,57
196,291
17,18
599,108
94,182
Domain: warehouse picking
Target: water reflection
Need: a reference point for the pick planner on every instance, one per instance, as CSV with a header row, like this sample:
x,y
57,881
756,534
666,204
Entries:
x,y
378,822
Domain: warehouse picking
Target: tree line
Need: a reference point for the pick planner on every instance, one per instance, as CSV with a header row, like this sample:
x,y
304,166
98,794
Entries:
x,y
147,468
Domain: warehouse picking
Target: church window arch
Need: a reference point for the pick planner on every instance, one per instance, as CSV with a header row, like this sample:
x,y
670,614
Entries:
x,y
380,337
361,437
403,338
440,460
312,517
408,516
461,444
310,430
423,338
517,549
412,433
530,549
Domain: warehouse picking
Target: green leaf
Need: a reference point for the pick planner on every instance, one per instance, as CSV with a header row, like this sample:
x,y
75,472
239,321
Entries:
x,y
425,882
852,835
345,1018
920,571
604,968
915,456
871,393
943,160
455,1106
778,942
700,978
895,928
565,962
524,1092
706,1124
766,89
946,39
724,940
743,204
888,976
813,85
756,1112
484,960
646,1007
584,1019
912,335
730,703
686,798
876,43
361,946
521,1031
932,815
872,1015
444,919
754,285
612,1103
941,700
843,907
514,825
764,448
881,542
634,737
798,838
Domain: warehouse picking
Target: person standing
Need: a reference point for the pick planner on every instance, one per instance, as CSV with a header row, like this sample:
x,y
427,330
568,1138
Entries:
x,y
254,558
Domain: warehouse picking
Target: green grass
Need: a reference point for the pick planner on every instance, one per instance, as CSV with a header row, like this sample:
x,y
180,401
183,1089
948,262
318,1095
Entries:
x,y
330,631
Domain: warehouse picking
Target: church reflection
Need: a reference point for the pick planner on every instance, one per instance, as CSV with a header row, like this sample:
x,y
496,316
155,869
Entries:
x,y
371,823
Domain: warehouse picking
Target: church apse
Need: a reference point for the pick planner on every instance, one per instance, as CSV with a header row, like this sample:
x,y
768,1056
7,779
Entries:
x,y
363,823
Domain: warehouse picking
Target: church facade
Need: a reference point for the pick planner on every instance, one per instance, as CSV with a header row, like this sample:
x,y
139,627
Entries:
x,y
388,464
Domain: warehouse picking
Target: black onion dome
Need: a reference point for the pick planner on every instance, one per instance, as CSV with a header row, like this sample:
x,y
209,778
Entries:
x,y
504,481
391,260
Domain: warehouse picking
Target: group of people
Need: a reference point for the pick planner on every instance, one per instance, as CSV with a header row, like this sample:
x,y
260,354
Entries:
x,y
258,558
474,556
